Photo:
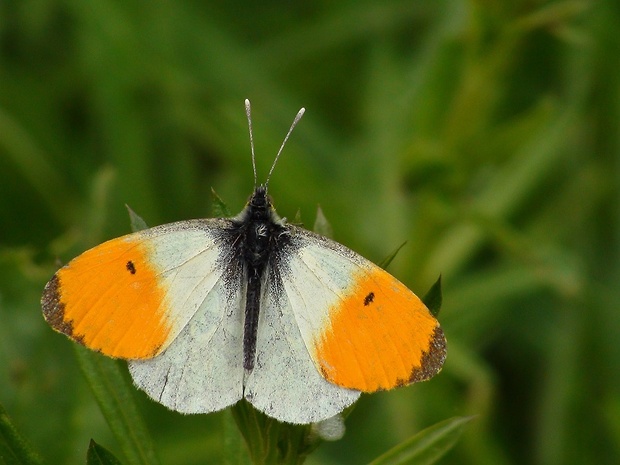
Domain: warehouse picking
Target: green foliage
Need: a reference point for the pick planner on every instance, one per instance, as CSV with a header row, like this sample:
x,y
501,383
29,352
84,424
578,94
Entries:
x,y
482,133
426,447
270,442
13,448
114,395
434,297
220,209
322,225
387,260
136,221
99,455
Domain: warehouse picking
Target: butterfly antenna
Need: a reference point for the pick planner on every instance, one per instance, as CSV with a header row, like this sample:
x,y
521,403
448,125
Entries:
x,y
300,113
248,113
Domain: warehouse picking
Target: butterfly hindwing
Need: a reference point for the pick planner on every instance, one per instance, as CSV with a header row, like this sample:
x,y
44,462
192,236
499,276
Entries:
x,y
202,371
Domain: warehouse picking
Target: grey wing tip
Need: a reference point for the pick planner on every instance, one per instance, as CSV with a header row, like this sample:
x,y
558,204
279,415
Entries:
x,y
433,359
54,309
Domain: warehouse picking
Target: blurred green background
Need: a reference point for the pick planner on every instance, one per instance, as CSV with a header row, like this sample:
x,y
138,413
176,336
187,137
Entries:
x,y
483,133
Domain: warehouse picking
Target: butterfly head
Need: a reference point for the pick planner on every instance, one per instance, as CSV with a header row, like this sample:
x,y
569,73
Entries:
x,y
259,198
259,208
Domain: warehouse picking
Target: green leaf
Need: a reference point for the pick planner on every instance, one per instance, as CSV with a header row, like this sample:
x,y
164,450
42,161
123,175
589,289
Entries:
x,y
137,223
434,298
234,450
114,394
14,449
271,442
297,219
387,260
321,225
426,447
220,209
99,455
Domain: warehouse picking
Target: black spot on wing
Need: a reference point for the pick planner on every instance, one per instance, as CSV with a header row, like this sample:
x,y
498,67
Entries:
x,y
369,299
131,267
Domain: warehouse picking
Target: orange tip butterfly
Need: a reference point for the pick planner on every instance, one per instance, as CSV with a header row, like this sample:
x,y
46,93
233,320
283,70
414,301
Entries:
x,y
210,311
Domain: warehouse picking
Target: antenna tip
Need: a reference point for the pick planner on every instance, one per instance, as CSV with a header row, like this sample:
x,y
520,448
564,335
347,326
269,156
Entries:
x,y
301,112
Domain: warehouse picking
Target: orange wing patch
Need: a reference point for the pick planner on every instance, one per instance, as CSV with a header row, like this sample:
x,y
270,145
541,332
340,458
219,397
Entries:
x,y
380,336
109,299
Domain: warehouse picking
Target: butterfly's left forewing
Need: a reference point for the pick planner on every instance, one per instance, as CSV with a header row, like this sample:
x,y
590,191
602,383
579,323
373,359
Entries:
x,y
169,300
131,296
363,329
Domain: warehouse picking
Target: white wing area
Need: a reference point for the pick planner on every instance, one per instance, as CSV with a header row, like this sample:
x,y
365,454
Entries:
x,y
202,371
323,277
285,384
322,271
186,256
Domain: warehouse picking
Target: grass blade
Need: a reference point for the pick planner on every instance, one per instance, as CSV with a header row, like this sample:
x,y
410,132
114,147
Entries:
x,y
426,447
13,448
115,398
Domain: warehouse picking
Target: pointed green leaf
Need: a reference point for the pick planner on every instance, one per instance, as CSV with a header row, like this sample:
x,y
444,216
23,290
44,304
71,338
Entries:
x,y
321,225
434,297
426,447
220,209
137,223
297,219
99,455
234,451
387,260
114,394
14,450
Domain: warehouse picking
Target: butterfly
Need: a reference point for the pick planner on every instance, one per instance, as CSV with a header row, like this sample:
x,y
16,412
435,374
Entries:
x,y
211,311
